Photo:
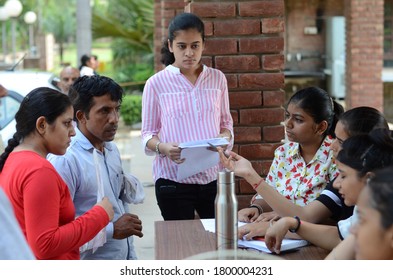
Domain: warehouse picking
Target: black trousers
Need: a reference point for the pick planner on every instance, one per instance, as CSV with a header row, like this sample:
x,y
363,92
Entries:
x,y
180,201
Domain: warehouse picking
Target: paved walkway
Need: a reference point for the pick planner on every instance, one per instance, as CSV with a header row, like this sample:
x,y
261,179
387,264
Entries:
x,y
135,161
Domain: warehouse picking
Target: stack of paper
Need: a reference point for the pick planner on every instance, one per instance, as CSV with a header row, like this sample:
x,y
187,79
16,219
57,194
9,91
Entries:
x,y
204,143
198,157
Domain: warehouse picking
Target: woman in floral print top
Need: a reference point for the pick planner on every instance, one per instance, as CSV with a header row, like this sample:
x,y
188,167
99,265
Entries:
x,y
304,165
298,180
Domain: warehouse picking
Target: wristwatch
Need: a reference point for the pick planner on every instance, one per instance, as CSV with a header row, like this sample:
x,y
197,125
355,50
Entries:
x,y
260,209
294,230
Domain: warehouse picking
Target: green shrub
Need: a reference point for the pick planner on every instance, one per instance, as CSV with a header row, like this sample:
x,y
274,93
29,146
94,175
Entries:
x,y
131,109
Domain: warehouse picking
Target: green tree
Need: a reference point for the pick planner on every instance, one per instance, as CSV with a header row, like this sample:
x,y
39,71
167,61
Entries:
x,y
130,23
59,19
131,20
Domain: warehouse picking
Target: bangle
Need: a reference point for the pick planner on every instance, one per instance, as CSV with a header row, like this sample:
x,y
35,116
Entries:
x,y
298,225
260,209
255,186
157,150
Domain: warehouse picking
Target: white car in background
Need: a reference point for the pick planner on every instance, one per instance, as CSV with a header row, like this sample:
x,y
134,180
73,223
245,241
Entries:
x,y
18,84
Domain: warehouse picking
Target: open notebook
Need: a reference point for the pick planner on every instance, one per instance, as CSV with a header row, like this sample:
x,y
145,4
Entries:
x,y
258,243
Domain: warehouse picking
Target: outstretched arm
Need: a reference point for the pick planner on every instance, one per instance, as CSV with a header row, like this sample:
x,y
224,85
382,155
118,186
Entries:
x,y
345,250
315,211
323,236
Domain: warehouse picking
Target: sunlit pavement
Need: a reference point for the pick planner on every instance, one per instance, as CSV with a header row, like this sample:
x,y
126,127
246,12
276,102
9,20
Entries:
x,y
135,161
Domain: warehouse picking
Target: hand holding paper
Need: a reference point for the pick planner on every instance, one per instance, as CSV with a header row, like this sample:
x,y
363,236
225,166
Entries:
x,y
100,239
198,157
215,149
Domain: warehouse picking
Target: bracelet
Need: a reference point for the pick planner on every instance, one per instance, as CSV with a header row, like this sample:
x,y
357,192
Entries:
x,y
255,186
298,225
260,209
157,150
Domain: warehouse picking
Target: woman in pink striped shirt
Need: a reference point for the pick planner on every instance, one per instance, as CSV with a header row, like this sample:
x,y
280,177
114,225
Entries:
x,y
186,101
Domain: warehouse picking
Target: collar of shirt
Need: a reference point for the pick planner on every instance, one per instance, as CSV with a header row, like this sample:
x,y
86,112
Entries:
x,y
176,70
322,154
85,143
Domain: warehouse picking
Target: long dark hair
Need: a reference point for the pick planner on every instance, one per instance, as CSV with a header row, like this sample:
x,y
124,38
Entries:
x,y
40,102
361,120
367,152
381,195
319,105
84,59
184,21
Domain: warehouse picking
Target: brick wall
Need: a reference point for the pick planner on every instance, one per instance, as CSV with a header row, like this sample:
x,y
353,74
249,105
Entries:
x,y
244,39
364,60
164,11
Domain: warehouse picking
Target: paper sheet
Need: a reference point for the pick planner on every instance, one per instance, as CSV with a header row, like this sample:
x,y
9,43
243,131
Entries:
x,y
100,239
197,157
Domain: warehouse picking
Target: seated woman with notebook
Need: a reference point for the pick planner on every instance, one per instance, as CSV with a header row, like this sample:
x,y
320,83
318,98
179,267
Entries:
x,y
359,158
359,120
303,166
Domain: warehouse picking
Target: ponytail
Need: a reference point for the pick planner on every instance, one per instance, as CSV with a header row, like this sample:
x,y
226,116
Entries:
x,y
167,56
338,110
12,143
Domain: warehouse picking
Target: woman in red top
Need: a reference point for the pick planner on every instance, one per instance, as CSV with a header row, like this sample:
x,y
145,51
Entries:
x,y
39,196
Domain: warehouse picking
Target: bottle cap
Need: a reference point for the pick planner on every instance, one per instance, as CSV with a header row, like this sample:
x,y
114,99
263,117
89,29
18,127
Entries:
x,y
226,177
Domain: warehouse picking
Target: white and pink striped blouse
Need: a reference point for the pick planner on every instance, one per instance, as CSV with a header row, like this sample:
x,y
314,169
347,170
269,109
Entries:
x,y
178,111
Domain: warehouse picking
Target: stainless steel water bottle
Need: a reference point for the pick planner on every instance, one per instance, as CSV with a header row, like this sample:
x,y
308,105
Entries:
x,y
226,212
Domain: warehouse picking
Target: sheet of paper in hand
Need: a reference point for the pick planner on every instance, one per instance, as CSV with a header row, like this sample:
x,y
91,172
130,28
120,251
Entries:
x,y
198,157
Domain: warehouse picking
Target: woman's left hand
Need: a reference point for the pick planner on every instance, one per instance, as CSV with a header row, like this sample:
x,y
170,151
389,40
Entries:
x,y
275,234
225,135
172,151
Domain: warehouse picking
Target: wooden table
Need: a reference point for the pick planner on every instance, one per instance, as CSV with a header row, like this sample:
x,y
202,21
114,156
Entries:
x,y
176,240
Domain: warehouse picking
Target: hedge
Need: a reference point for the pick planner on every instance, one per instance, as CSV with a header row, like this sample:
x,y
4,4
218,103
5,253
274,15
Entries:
x,y
131,109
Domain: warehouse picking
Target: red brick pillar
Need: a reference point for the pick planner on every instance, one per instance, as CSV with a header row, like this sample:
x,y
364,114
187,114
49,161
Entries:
x,y
164,11
364,54
244,39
